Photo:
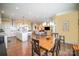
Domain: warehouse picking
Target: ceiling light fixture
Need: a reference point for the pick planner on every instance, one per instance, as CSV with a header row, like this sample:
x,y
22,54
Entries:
x,y
17,8
2,11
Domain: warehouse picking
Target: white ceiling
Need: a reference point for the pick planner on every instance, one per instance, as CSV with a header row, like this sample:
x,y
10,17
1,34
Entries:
x,y
36,12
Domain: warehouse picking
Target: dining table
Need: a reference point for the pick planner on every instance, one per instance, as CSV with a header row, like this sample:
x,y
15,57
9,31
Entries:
x,y
46,43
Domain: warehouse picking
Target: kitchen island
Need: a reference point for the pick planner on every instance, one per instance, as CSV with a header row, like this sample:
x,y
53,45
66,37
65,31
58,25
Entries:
x,y
23,36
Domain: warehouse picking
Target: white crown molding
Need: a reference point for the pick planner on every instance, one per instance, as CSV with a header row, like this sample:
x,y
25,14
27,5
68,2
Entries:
x,y
65,12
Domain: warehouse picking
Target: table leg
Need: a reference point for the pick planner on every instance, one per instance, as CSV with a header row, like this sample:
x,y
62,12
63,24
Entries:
x,y
73,52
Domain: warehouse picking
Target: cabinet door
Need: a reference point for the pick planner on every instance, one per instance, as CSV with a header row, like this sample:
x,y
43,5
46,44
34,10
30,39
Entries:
x,y
3,51
1,39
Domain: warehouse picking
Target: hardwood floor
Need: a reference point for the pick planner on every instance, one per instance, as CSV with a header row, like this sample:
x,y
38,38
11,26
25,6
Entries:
x,y
18,48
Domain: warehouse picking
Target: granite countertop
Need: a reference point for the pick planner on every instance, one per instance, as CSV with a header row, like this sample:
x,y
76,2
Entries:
x,y
1,30
2,33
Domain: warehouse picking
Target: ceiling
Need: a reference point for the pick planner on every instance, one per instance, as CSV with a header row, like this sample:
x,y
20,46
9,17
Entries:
x,y
36,12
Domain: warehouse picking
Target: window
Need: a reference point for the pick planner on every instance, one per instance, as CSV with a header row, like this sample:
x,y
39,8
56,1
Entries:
x,y
66,26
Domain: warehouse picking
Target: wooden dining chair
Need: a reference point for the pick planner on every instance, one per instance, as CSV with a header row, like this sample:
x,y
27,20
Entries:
x,y
55,35
36,48
56,47
62,38
75,49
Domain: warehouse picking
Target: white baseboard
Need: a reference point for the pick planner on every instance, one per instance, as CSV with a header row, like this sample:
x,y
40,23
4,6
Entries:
x,y
71,42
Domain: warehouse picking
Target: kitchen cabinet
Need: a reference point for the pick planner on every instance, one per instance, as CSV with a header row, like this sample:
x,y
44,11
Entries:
x,y
23,36
3,51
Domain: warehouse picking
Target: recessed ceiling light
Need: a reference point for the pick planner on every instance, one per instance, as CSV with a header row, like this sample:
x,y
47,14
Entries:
x,y
29,13
17,8
2,11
